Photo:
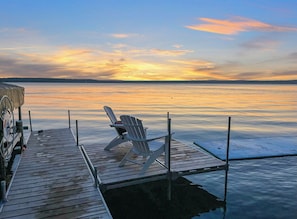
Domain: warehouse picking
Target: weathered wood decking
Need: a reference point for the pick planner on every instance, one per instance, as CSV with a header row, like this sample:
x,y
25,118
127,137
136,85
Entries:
x,y
185,160
53,181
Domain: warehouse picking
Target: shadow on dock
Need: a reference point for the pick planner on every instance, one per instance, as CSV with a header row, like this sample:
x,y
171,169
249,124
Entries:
x,y
149,200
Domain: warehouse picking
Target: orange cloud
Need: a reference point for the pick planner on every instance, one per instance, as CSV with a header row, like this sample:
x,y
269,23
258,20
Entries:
x,y
164,52
236,25
190,62
120,35
121,63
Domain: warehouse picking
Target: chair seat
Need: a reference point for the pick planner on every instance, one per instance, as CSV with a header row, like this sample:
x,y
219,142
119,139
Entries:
x,y
153,146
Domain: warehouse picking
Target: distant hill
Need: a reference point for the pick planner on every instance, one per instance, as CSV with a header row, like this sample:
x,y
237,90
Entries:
x,y
48,80
62,80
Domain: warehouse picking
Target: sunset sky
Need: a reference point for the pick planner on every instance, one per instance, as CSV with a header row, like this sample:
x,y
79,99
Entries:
x,y
149,40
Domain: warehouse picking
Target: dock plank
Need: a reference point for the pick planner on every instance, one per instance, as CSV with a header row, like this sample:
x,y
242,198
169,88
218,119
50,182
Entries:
x,y
53,181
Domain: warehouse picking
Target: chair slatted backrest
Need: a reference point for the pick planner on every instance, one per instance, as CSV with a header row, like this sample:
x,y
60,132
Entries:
x,y
136,133
113,119
110,114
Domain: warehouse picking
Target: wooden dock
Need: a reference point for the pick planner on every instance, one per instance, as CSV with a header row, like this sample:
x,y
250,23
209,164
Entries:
x,y
53,181
185,160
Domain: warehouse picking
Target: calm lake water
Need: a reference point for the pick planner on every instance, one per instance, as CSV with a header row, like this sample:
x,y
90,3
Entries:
x,y
262,188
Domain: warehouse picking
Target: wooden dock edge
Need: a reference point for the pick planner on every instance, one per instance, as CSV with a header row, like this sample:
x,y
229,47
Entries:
x,y
94,176
110,176
4,199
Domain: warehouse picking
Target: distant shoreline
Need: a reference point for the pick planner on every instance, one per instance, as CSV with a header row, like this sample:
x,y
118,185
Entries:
x,y
59,80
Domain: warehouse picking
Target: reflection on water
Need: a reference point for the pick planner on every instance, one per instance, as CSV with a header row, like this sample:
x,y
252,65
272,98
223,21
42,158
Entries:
x,y
150,200
260,188
197,110
257,188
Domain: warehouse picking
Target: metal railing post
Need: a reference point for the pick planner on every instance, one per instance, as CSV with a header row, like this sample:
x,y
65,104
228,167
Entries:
x,y
69,118
227,159
168,159
30,121
76,122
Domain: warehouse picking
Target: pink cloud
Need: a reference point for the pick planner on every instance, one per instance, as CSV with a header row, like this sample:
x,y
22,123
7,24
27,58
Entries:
x,y
236,25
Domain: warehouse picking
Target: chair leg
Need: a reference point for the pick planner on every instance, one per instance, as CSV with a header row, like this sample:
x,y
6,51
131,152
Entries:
x,y
126,157
151,159
116,141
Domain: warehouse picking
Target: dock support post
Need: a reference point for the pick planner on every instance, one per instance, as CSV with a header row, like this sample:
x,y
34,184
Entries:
x,y
227,159
76,122
3,190
168,159
30,121
69,118
95,177
19,127
20,113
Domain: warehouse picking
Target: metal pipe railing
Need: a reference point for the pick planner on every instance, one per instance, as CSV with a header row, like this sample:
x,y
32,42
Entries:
x,y
227,158
169,174
69,119
30,121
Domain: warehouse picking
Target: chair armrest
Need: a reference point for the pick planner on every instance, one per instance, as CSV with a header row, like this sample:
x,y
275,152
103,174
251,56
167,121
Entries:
x,y
149,139
158,137
117,125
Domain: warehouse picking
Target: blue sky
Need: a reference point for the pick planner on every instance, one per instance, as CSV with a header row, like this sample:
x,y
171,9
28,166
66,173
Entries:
x,y
149,40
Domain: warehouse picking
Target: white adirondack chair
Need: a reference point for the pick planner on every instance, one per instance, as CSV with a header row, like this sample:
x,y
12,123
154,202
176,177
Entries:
x,y
119,127
149,149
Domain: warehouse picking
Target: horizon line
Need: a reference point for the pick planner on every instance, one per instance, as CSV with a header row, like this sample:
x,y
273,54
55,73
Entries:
x,y
75,80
